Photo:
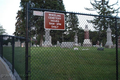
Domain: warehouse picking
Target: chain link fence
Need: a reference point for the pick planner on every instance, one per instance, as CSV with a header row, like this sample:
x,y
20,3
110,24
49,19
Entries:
x,y
13,52
85,50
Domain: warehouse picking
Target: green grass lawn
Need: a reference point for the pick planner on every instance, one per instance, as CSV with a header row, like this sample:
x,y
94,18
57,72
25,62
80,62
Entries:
x,y
19,59
55,63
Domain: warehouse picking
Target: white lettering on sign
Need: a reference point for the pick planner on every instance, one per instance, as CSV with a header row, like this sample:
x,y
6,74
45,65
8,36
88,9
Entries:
x,y
54,20
58,23
51,23
55,27
51,17
58,18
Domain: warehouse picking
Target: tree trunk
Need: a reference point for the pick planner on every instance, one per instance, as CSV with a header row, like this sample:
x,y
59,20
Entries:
x,y
41,39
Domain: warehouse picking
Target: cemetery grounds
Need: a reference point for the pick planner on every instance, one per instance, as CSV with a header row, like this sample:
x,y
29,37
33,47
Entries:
x,y
55,63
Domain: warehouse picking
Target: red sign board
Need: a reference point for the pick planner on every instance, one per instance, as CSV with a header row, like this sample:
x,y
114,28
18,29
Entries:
x,y
54,21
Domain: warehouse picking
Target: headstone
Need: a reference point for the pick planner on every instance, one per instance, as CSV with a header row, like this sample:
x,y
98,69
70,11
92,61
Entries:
x,y
54,46
9,44
86,42
34,45
23,44
58,43
101,45
97,45
85,49
75,48
79,44
48,39
67,44
94,45
37,45
17,44
109,43
100,49
76,39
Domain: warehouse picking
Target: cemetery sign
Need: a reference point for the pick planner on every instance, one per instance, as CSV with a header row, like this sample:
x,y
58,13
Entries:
x,y
54,21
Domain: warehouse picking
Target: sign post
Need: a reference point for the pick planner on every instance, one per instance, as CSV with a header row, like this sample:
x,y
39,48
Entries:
x,y
54,21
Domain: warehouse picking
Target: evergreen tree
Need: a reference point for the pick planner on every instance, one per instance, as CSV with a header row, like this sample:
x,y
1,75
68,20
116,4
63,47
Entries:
x,y
102,7
2,31
20,24
71,26
37,23
72,22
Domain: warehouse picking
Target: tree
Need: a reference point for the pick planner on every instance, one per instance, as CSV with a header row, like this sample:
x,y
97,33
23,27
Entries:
x,y
2,31
37,23
93,37
71,26
72,22
102,7
70,36
20,24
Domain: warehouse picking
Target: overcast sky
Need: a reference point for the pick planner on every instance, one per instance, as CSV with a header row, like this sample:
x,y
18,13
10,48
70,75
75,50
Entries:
x,y
9,8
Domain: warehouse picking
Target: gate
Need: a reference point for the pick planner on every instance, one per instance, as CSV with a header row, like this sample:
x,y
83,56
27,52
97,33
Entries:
x,y
80,52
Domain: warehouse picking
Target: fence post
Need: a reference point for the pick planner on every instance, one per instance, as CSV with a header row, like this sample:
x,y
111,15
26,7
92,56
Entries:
x,y
116,48
26,41
13,54
1,46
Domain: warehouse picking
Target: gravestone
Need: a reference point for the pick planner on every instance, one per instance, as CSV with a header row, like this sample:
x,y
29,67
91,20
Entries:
x,y
23,44
34,45
58,43
98,44
79,44
101,44
67,44
86,42
75,48
9,44
109,43
48,38
76,39
17,43
100,49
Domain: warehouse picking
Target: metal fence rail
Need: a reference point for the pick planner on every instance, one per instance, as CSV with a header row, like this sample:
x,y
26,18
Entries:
x,y
12,50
